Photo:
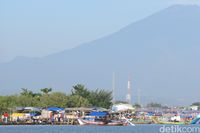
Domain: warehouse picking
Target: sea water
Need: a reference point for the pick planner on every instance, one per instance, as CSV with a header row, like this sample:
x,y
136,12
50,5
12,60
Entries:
x,y
93,129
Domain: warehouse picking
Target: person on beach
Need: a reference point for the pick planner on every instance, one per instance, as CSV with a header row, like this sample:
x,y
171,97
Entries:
x,y
52,117
2,118
6,115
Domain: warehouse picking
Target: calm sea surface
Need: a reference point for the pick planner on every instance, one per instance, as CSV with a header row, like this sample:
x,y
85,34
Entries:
x,y
84,129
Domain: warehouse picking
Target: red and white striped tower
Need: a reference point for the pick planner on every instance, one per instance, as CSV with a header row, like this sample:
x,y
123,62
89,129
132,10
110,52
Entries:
x,y
128,96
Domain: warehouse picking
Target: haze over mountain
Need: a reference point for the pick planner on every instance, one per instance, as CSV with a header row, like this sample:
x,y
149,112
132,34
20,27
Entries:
x,y
160,53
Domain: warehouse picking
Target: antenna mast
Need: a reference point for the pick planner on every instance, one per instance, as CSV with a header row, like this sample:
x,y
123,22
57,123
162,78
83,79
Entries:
x,y
139,96
113,88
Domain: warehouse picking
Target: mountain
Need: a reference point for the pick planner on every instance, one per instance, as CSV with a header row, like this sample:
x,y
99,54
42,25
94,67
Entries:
x,y
160,53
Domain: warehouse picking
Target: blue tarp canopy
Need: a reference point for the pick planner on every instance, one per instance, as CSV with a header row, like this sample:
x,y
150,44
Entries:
x,y
151,113
55,109
99,114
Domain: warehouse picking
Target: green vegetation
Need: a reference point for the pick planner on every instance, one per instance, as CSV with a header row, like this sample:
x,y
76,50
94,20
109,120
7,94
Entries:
x,y
137,105
79,97
154,105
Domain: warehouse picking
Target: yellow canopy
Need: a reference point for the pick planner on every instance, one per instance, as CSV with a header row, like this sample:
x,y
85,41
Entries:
x,y
18,114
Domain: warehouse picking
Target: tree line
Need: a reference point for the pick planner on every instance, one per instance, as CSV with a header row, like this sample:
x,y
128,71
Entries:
x,y
80,96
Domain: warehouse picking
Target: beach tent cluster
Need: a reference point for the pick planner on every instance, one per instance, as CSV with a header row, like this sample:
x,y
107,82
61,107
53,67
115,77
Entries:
x,y
33,113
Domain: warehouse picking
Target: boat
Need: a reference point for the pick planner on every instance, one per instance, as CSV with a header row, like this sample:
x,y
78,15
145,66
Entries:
x,y
173,121
116,123
100,118
84,121
195,121
103,123
94,118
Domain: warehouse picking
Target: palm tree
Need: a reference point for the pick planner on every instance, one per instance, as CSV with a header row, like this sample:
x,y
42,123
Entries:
x,y
26,92
46,90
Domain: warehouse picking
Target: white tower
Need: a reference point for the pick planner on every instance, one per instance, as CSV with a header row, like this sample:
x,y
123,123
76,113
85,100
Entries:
x,y
128,96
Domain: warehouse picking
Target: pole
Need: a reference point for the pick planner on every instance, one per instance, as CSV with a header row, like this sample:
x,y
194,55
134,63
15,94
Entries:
x,y
113,88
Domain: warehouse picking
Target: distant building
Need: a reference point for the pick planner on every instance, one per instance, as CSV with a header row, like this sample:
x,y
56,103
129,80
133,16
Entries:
x,y
122,107
195,108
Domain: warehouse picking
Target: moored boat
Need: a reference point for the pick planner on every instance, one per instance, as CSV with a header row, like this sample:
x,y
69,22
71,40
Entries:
x,y
196,121
94,118
116,123
90,122
102,123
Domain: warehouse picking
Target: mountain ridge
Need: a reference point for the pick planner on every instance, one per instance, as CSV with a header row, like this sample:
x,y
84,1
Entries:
x,y
160,51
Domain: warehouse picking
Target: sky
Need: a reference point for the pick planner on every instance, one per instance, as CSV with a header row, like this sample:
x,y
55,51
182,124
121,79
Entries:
x,y
36,28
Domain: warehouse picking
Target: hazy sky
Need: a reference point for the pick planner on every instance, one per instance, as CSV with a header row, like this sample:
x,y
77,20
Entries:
x,y
35,28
